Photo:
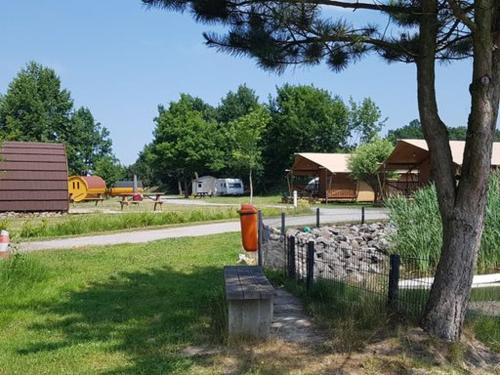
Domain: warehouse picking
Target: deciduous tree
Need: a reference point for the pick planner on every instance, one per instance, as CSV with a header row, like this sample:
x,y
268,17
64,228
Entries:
x,y
237,104
110,170
365,161
365,119
187,140
87,142
245,135
37,109
304,119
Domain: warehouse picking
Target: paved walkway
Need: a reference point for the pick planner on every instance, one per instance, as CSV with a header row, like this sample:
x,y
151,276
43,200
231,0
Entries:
x,y
290,323
328,215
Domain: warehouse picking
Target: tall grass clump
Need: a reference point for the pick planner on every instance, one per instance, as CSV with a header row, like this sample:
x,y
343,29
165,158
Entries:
x,y
83,224
20,272
419,228
349,315
94,223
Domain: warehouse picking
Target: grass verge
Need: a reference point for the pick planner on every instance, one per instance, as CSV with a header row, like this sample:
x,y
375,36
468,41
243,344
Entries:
x,y
128,309
97,223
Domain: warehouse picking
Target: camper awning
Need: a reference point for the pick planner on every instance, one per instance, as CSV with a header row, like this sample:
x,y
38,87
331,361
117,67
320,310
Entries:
x,y
311,164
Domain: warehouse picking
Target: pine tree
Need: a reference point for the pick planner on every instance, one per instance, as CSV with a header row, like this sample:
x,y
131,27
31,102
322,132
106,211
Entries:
x,y
421,32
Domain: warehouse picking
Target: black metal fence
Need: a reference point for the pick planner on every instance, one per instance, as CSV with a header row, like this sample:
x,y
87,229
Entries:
x,y
401,283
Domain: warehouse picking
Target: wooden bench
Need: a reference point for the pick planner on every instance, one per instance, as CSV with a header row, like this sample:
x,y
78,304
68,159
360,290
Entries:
x,y
249,297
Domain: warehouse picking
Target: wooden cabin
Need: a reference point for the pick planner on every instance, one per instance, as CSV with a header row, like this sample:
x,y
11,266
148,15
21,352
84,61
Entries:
x,y
331,176
410,162
33,177
82,188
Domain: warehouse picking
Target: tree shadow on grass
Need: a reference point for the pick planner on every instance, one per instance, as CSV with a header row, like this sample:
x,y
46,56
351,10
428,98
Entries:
x,y
147,316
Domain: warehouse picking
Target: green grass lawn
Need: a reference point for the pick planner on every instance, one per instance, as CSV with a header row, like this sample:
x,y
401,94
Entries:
x,y
118,310
257,200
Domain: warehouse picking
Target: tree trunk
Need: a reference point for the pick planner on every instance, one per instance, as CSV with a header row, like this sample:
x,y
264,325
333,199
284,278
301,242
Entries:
x,y
179,186
462,206
251,186
186,188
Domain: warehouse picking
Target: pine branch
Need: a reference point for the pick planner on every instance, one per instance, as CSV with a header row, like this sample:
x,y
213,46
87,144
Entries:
x,y
461,15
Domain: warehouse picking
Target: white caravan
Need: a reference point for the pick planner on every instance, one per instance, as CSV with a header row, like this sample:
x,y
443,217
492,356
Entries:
x,y
230,186
205,185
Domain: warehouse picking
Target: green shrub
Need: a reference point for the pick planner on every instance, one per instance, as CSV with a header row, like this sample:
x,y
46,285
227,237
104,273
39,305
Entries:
x,y
419,228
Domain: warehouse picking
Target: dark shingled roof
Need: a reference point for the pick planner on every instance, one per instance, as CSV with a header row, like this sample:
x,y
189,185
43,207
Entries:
x,y
33,177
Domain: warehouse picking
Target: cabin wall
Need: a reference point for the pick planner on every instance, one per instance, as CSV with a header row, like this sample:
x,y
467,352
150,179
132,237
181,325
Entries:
x,y
340,186
365,192
424,169
33,177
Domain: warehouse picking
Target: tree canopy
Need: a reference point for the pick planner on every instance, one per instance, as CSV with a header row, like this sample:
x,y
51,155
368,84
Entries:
x,y
110,170
245,135
186,140
36,108
194,137
237,104
365,161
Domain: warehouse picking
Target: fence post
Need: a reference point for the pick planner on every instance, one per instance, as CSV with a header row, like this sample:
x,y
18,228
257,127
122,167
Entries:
x,y
291,257
395,262
285,243
363,215
310,265
317,217
260,234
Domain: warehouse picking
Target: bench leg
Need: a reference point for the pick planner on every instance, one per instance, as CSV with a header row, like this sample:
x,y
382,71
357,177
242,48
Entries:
x,y
250,318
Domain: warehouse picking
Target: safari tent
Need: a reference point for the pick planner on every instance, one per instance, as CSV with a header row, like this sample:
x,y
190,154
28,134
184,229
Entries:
x,y
410,159
33,177
333,180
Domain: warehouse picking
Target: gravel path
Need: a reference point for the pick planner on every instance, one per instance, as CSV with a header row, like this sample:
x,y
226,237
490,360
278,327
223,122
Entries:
x,y
328,215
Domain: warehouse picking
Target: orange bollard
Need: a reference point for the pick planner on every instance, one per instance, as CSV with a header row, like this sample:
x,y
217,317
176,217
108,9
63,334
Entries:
x,y
249,231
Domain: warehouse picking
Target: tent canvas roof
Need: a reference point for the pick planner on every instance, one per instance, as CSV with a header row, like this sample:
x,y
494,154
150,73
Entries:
x,y
413,151
309,162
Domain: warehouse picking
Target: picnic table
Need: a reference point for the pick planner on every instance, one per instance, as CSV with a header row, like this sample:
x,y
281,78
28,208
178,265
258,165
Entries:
x,y
127,199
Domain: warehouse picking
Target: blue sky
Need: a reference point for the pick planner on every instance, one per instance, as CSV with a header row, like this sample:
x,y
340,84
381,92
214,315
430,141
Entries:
x,y
121,60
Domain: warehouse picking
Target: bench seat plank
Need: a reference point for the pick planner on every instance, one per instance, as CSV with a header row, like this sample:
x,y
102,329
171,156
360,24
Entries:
x,y
246,283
